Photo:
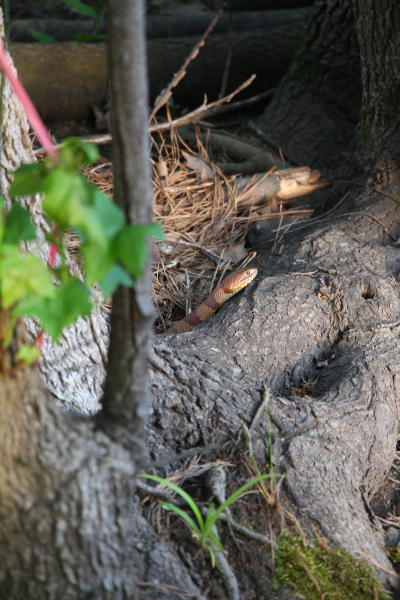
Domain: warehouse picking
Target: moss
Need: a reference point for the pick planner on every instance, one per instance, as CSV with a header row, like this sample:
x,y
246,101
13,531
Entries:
x,y
394,554
317,572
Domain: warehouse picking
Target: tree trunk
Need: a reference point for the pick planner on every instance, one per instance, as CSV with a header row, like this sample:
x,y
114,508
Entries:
x,y
313,114
319,328
126,401
379,125
69,526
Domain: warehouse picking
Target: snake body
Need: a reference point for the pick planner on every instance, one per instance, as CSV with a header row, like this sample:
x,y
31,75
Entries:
x,y
229,286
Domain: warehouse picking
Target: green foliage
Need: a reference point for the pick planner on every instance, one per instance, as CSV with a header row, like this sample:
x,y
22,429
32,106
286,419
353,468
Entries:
x,y
394,554
202,527
18,226
317,572
28,354
113,252
22,275
84,10
40,36
69,301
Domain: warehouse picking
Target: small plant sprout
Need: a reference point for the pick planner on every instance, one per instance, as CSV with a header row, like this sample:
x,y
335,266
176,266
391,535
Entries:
x,y
202,526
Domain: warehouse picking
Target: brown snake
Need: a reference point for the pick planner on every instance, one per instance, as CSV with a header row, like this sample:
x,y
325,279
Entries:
x,y
229,286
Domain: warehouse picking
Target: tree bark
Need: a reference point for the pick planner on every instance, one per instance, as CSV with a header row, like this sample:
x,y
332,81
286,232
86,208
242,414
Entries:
x,y
73,369
126,396
378,25
69,526
313,113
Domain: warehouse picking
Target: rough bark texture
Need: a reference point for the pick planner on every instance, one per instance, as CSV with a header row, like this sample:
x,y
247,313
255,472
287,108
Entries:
x,y
69,526
312,116
378,25
74,368
335,333
126,394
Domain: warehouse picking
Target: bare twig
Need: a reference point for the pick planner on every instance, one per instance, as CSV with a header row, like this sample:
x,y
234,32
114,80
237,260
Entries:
x,y
227,67
220,108
165,95
247,103
201,112
263,405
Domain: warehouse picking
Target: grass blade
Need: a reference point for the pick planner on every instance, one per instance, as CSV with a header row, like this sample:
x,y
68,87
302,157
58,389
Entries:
x,y
178,490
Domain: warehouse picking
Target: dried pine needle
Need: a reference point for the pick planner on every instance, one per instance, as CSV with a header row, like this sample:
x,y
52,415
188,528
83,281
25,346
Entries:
x,y
202,218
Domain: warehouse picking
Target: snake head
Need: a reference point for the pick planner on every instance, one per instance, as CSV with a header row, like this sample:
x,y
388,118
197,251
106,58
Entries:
x,y
238,280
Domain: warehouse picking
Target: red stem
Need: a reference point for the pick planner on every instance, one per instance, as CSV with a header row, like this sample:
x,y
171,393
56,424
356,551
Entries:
x,y
33,116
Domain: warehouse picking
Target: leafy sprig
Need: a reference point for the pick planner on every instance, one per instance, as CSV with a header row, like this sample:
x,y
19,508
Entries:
x,y
113,252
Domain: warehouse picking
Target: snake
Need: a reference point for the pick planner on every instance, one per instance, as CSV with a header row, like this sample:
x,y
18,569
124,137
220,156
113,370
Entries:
x,y
228,287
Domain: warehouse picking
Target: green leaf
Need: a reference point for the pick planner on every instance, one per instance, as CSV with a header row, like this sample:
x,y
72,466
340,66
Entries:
x,y
22,275
181,513
2,218
115,277
83,38
75,152
19,226
83,9
71,300
40,36
28,354
111,216
29,179
67,201
98,261
131,246
178,490
215,516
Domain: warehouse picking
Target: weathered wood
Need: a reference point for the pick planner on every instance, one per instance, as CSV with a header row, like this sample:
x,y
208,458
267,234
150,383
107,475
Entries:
x,y
162,26
50,72
334,334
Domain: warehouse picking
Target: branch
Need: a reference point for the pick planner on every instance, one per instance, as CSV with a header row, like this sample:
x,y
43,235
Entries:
x,y
126,402
165,95
205,110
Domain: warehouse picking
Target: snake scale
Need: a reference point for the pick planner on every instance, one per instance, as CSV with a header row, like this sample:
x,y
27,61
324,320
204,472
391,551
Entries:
x,y
229,286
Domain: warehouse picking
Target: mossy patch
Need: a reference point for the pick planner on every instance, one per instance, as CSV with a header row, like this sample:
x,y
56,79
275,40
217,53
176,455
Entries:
x,y
394,554
317,572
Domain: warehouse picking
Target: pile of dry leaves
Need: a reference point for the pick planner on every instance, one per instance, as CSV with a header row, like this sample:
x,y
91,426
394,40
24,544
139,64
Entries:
x,y
205,216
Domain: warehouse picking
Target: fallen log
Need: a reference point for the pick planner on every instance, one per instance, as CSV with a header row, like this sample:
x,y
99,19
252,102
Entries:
x,y
160,26
65,79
